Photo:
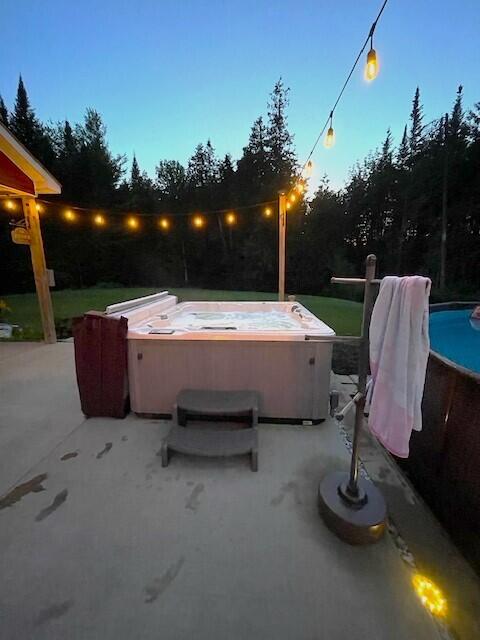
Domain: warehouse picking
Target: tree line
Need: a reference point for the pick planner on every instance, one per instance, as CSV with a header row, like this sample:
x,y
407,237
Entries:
x,y
399,203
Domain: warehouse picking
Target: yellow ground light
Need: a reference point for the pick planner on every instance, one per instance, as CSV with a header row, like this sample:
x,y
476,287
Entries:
x,y
430,595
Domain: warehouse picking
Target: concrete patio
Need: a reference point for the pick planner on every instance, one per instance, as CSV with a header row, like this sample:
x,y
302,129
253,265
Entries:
x,y
109,545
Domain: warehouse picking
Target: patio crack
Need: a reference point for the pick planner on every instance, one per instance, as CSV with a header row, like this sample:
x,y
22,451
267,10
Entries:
x,y
159,585
53,612
193,502
57,501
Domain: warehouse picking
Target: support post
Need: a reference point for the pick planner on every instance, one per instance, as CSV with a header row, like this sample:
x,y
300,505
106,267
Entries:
x,y
351,506
282,229
363,360
443,239
39,269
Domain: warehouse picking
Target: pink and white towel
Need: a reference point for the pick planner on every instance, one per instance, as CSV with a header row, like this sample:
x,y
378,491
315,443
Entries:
x,y
399,346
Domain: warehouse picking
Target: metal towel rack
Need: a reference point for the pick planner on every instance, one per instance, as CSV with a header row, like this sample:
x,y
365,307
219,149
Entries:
x,y
351,506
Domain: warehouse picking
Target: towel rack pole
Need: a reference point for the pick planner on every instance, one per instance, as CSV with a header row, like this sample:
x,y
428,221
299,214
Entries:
x,y
351,506
363,360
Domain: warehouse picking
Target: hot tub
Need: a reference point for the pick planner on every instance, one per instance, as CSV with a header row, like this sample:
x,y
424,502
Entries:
x,y
259,346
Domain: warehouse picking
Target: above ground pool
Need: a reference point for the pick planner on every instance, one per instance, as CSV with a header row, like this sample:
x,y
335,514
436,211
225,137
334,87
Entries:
x,y
454,335
444,462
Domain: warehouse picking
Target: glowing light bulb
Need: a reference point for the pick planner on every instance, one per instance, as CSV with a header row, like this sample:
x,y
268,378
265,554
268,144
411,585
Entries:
x,y
300,187
132,222
430,595
330,138
371,68
289,206
99,220
10,205
198,222
267,212
293,197
69,215
309,169
39,208
164,223
230,218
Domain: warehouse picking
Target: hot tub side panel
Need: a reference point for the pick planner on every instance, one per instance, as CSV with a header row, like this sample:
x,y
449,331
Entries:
x,y
292,377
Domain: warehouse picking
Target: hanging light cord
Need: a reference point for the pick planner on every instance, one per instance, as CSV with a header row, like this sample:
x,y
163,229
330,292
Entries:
x,y
113,212
330,116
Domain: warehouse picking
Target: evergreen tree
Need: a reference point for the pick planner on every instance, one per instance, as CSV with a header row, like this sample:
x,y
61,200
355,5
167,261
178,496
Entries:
x,y
171,182
279,141
3,112
387,151
253,168
458,128
135,175
227,182
99,170
202,169
402,153
24,124
142,192
416,125
257,142
26,127
474,122
67,167
226,170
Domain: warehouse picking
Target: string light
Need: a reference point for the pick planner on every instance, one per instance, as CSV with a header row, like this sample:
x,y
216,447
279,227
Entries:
x,y
289,205
198,222
10,205
39,208
231,218
132,222
330,137
292,197
430,595
372,63
300,187
371,68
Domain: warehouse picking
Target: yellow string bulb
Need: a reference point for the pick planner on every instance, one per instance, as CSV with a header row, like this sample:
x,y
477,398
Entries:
x,y
164,224
69,215
292,197
99,220
132,222
330,138
309,169
198,222
40,208
372,67
267,212
10,205
231,218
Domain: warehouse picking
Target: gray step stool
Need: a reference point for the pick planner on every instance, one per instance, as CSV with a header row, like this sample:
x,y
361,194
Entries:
x,y
216,440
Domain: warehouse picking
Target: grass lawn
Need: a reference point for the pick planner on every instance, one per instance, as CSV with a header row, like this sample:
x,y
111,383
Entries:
x,y
342,315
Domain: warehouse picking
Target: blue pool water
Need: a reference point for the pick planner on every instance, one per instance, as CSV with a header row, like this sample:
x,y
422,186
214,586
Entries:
x,y
453,336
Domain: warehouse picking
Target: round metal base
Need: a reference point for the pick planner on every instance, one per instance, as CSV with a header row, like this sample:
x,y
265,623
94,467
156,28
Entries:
x,y
353,522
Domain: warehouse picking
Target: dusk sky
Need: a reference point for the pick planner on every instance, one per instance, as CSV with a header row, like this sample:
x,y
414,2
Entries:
x,y
166,75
